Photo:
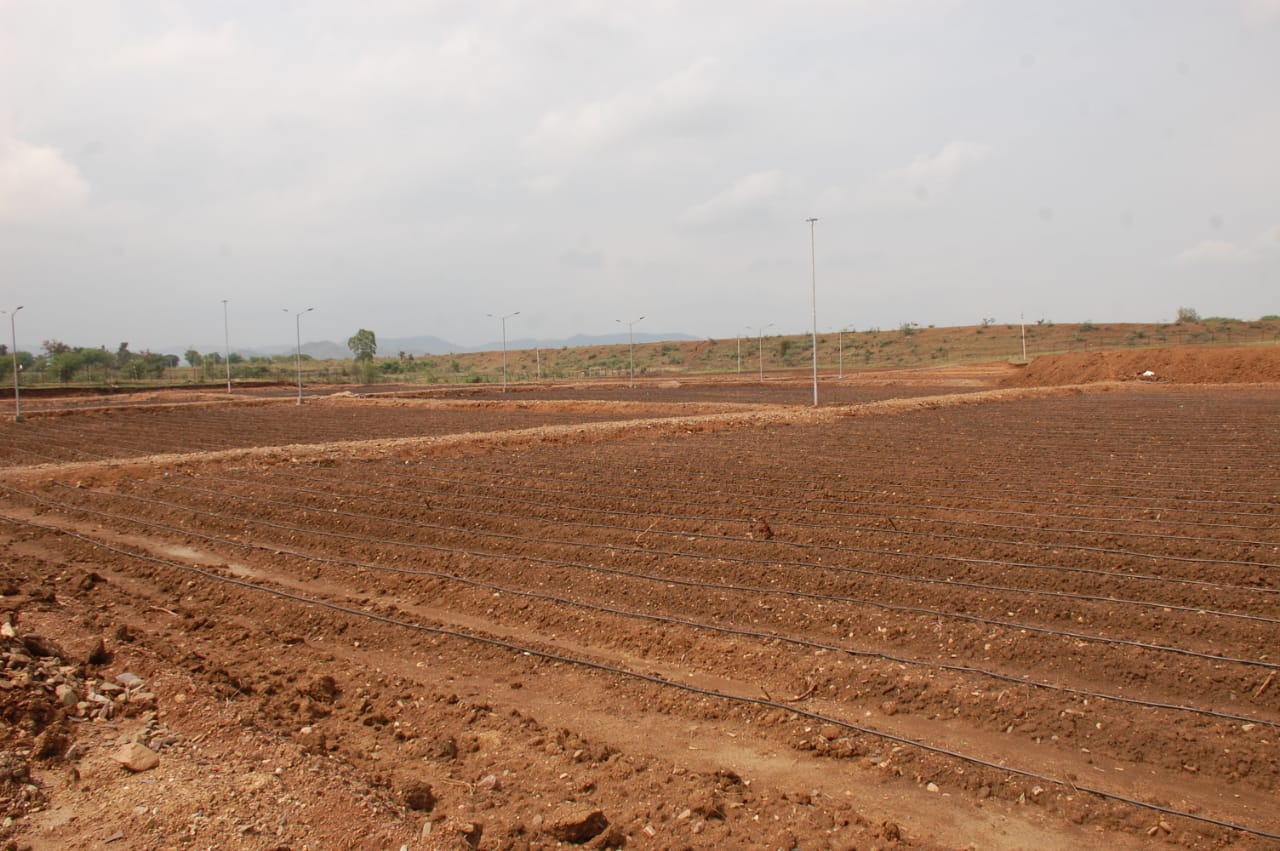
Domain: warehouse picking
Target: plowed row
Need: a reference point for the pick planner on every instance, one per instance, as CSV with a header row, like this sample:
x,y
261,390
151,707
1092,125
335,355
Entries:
x,y
1070,603
135,432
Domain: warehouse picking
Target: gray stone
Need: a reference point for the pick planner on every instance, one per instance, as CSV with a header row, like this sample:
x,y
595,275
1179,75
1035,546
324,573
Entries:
x,y
136,757
68,695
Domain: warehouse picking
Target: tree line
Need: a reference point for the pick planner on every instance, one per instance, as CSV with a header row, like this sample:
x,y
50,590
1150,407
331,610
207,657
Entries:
x,y
64,363
68,363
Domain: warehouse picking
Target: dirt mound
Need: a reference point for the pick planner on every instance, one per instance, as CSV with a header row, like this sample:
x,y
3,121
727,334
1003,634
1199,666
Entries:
x,y
1182,365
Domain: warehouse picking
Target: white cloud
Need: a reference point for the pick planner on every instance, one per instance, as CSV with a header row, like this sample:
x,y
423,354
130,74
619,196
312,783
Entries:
x,y
542,184
672,104
177,47
581,259
1215,252
36,181
747,193
1262,11
464,65
928,175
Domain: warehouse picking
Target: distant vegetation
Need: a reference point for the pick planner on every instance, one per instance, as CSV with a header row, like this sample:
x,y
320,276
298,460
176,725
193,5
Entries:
x,y
847,351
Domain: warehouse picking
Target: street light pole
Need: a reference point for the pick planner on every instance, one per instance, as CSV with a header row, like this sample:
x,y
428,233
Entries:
x,y
226,344
13,340
813,271
841,356
760,345
297,358
504,344
1022,320
842,333
631,346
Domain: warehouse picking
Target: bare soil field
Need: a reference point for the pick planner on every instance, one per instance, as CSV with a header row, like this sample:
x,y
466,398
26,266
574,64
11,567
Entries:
x,y
1232,365
678,617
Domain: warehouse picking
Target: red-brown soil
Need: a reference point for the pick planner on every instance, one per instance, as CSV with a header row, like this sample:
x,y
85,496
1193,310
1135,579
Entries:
x,y
1001,619
1204,365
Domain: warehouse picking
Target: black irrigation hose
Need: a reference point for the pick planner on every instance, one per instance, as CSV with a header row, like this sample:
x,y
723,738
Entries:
x,y
1115,473
215,428
13,449
949,480
1121,458
821,513
667,580
787,484
630,613
808,509
654,679
780,521
759,510
846,487
879,574
1004,494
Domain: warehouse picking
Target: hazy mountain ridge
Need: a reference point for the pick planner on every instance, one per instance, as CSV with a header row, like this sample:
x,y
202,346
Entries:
x,y
430,345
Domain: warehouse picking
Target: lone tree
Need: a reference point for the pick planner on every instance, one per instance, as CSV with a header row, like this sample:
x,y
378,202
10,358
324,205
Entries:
x,y
364,345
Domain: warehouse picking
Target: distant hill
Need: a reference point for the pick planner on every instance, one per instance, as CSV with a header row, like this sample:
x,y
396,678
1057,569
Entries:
x,y
416,346
421,345
326,350
389,347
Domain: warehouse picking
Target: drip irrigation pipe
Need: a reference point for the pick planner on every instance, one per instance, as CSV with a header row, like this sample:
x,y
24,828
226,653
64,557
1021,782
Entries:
x,y
654,679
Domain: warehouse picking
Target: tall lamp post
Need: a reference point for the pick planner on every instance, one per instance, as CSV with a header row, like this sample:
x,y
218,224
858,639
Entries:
x,y
297,358
226,344
760,345
504,344
631,340
842,330
13,339
841,355
813,272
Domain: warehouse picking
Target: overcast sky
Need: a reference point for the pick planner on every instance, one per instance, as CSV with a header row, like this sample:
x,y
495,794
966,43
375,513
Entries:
x,y
409,167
